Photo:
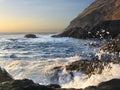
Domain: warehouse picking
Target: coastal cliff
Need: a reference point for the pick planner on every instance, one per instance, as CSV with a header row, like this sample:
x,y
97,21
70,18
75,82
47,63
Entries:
x,y
100,20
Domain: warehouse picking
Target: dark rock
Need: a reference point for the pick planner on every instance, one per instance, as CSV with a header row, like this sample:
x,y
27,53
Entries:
x,y
4,75
27,84
89,67
91,88
92,44
100,20
54,86
24,84
30,36
113,46
113,84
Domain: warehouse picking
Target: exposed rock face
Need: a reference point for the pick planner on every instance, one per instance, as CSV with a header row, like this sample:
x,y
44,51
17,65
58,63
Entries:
x,y
30,36
113,46
101,19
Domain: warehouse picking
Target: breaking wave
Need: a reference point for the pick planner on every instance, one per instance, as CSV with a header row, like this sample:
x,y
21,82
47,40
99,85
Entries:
x,y
35,59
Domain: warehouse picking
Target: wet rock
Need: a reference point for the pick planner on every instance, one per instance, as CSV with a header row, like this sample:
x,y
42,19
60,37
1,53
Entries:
x,y
113,46
27,84
113,84
4,75
92,44
100,20
24,84
54,86
89,67
13,56
109,57
57,68
30,36
91,88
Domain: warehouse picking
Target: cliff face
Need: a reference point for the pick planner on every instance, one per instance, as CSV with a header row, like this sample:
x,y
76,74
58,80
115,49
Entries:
x,y
93,18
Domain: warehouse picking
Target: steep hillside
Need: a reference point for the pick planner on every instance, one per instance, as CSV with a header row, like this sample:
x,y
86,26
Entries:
x,y
101,18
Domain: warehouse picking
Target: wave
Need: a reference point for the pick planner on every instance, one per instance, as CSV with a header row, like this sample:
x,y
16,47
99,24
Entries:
x,y
35,59
15,47
82,81
41,71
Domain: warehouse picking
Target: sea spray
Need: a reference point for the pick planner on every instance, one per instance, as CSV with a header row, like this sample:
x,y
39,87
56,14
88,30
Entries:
x,y
35,59
82,81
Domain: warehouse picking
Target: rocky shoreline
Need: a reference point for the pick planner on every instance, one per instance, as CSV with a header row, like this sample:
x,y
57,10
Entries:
x,y
100,20
8,83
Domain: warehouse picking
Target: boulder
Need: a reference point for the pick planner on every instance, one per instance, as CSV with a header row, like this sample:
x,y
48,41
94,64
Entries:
x,y
100,20
86,66
30,36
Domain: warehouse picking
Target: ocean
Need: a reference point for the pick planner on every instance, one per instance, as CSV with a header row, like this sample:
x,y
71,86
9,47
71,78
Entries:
x,y
34,58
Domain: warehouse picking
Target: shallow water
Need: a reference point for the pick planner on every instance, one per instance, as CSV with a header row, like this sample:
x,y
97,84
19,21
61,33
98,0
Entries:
x,y
34,59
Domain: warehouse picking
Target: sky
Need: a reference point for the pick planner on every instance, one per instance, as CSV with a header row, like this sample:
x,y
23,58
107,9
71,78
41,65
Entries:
x,y
39,15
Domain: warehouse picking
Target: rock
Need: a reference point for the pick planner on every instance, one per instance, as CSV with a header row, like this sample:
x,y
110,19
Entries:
x,y
54,86
30,36
4,75
81,65
113,84
24,84
100,20
91,88
89,67
113,46
92,44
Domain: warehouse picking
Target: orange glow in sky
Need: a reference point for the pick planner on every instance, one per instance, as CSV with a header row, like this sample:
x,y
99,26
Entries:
x,y
39,15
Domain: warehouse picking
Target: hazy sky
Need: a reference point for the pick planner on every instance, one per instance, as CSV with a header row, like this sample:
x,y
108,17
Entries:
x,y
39,15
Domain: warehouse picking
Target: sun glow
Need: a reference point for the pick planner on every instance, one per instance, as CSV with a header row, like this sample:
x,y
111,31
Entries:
x,y
24,25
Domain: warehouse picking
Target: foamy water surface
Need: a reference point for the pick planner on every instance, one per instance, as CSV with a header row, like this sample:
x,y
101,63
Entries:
x,y
34,59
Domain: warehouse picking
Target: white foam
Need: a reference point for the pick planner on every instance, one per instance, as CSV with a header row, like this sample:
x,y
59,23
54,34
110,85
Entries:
x,y
32,69
40,72
82,81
